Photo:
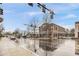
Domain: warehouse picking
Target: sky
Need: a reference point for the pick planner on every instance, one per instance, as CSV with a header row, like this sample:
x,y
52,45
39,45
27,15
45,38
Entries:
x,y
18,14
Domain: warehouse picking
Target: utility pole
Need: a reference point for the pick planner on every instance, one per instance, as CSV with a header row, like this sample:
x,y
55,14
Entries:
x,y
34,28
34,38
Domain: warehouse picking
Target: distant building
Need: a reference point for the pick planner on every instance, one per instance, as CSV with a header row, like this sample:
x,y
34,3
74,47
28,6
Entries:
x,y
76,29
53,32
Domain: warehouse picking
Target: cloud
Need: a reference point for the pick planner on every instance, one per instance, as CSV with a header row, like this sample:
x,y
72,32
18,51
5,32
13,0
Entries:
x,y
67,26
33,13
69,16
73,5
60,9
64,8
9,30
9,11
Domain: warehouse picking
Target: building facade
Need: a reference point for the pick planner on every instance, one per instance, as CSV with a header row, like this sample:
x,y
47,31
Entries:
x,y
53,32
76,29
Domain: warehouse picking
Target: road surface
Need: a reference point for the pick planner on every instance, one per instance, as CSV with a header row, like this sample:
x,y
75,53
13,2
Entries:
x,y
67,48
10,48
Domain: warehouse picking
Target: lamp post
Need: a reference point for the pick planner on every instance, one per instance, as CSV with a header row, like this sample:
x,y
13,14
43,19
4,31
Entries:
x,y
34,28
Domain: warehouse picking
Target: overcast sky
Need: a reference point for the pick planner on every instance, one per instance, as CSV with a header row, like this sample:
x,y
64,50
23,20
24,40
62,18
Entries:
x,y
16,15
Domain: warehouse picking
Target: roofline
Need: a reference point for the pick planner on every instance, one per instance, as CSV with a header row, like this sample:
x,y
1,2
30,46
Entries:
x,y
52,24
77,22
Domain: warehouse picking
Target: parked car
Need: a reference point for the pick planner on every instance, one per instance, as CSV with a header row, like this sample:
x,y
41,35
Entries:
x,y
12,38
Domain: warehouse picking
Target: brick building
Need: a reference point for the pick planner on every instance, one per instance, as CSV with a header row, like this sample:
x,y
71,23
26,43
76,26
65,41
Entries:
x,y
53,32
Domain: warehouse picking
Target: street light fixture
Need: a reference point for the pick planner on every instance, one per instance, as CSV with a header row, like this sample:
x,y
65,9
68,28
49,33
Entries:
x,y
34,28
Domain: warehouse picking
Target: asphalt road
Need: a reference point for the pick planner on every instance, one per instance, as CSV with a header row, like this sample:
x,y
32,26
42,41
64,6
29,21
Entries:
x,y
66,48
10,48
25,47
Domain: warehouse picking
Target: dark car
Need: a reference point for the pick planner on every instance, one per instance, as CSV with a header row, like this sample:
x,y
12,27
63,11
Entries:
x,y
13,38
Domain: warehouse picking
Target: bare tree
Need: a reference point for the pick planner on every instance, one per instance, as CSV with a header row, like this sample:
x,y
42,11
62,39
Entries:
x,y
17,33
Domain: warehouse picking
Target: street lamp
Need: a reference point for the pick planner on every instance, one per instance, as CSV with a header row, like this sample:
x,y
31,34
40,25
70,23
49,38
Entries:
x,y
34,28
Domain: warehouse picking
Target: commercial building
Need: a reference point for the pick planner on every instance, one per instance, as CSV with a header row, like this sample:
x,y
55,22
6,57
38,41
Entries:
x,y
76,29
53,32
77,36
